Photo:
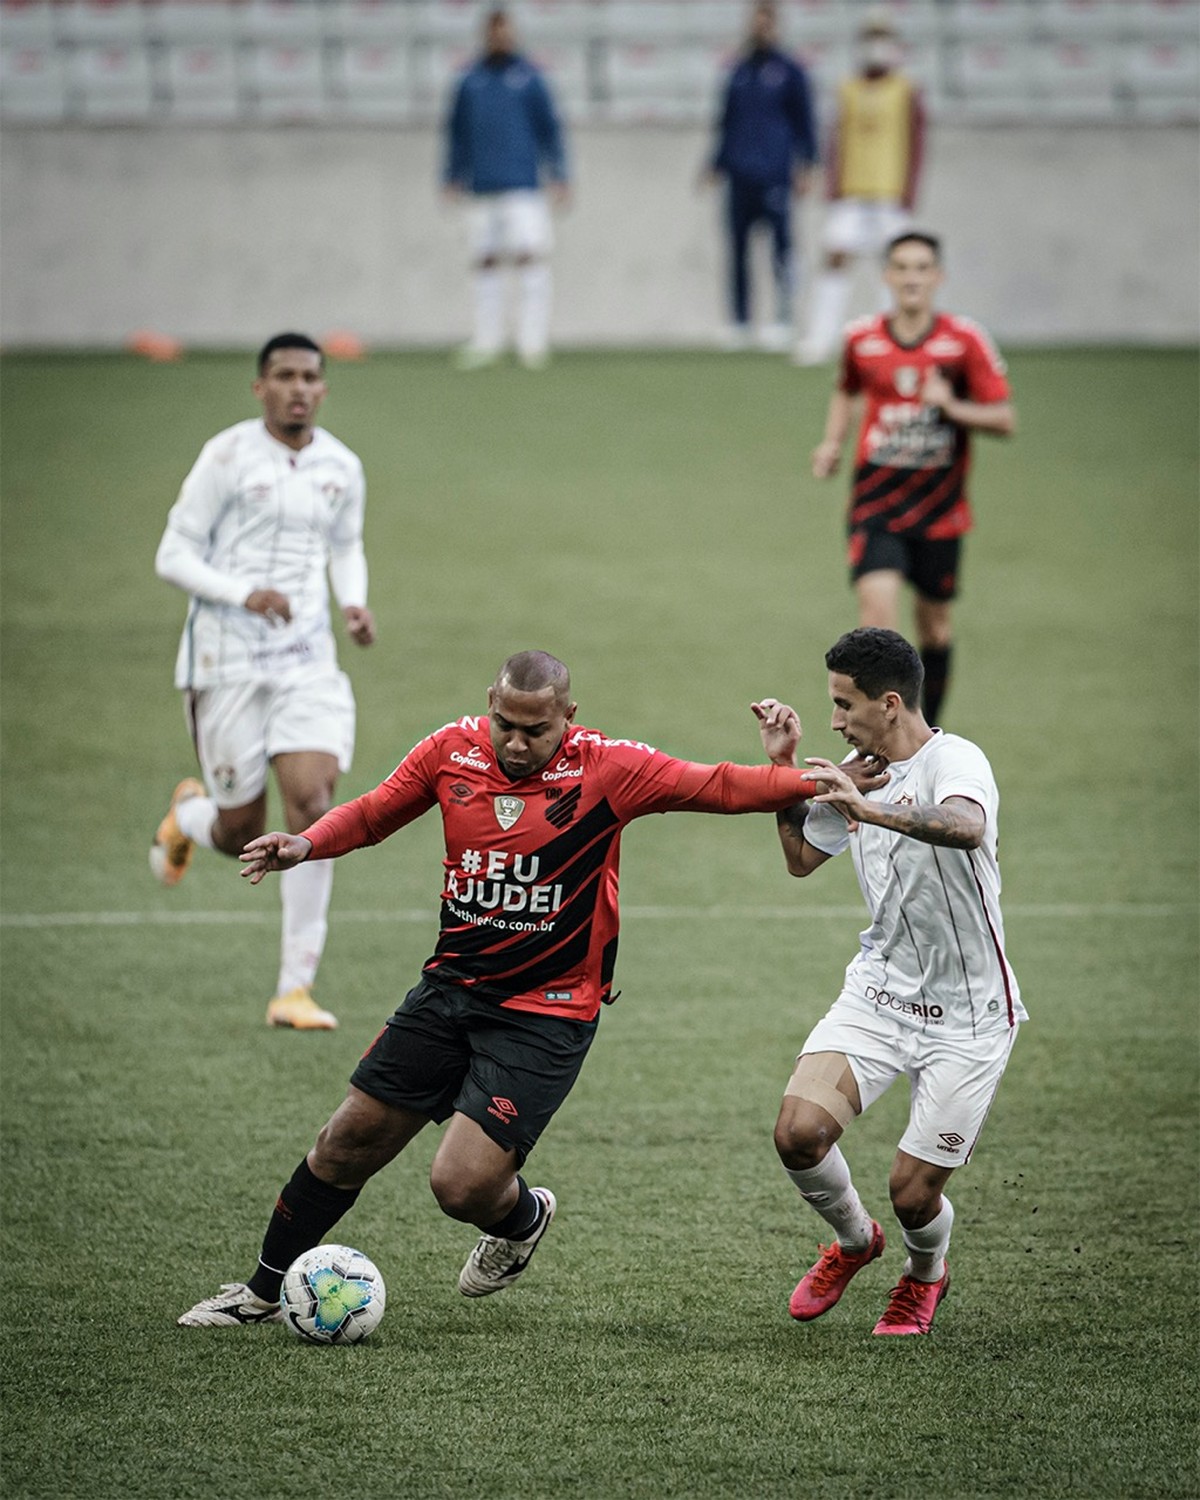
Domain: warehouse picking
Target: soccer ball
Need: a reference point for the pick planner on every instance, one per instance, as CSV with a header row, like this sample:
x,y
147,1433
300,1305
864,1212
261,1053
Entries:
x,y
333,1295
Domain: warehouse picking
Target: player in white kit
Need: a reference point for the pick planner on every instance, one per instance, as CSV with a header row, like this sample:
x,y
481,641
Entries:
x,y
269,507
929,994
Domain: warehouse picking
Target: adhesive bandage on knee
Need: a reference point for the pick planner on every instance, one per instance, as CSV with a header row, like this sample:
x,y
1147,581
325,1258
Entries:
x,y
826,1080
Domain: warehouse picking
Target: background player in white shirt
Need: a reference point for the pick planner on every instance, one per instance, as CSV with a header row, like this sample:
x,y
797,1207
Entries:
x,y
930,992
268,507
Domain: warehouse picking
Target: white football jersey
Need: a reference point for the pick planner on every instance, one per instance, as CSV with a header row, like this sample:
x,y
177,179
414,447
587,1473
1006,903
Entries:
x,y
255,514
933,956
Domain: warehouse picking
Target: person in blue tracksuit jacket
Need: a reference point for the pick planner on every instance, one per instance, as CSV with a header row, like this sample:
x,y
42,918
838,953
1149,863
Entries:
x,y
504,144
766,150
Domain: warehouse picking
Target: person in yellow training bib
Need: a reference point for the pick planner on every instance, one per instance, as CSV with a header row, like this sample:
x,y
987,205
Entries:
x,y
874,165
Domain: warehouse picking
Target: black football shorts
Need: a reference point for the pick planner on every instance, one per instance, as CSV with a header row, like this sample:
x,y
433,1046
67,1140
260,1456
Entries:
x,y
446,1051
930,566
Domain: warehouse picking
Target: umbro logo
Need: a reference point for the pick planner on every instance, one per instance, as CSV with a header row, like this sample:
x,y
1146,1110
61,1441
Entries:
x,y
950,1141
563,811
460,793
503,1109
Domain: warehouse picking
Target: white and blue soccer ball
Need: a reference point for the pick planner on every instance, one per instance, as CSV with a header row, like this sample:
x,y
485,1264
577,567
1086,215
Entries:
x,y
333,1295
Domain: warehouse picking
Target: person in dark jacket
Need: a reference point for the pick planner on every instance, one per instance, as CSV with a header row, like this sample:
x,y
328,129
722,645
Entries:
x,y
766,150
503,142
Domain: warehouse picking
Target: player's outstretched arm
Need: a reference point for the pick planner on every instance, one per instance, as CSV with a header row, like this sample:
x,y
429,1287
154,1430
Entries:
x,y
272,852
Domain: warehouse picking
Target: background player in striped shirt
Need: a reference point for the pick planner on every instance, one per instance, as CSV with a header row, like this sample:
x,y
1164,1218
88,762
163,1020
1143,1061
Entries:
x,y
925,380
929,994
493,1036
876,148
270,505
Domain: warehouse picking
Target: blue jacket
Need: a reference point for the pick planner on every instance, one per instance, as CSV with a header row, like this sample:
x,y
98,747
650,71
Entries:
x,y
767,125
503,130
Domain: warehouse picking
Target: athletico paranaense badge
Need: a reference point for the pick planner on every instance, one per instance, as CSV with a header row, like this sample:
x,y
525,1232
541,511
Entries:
x,y
908,380
508,810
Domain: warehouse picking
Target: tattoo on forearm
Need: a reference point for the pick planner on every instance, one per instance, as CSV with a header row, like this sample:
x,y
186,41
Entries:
x,y
791,819
948,826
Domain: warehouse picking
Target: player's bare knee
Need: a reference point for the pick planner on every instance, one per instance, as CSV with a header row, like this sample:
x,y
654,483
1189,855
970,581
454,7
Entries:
x,y
304,808
804,1142
459,1195
340,1159
232,831
820,1100
916,1196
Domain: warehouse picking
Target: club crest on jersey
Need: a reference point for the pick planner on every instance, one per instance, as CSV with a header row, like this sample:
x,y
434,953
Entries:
x,y
908,379
508,810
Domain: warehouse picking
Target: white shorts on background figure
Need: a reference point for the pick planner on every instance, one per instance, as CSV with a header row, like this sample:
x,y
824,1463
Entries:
x,y
240,728
509,225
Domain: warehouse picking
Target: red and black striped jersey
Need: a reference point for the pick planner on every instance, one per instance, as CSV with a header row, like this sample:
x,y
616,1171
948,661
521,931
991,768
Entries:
x,y
911,463
529,914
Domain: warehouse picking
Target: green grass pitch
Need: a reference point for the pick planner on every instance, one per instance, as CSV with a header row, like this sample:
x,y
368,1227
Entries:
x,y
650,519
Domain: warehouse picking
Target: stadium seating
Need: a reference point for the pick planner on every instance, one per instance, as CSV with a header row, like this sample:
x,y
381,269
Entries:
x,y
366,21
109,23
619,60
990,79
372,80
201,82
282,23
1159,79
1075,77
284,81
204,22
112,82
33,84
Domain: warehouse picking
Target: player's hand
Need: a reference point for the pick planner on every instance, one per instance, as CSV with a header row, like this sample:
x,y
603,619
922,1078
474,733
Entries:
x,y
867,772
779,729
360,624
826,458
936,390
272,851
560,195
840,789
275,608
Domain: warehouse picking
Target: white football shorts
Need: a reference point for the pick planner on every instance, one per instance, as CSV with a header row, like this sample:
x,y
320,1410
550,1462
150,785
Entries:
x,y
509,224
858,226
240,727
953,1080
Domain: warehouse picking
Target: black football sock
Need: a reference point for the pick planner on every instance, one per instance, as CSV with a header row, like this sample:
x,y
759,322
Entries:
x,y
936,661
520,1219
305,1212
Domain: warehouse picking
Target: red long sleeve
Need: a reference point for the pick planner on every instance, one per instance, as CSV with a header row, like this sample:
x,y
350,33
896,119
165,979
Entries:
x,y
367,820
729,788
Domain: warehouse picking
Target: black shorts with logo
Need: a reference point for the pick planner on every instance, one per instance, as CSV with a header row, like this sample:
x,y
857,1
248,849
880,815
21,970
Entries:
x,y
931,566
446,1051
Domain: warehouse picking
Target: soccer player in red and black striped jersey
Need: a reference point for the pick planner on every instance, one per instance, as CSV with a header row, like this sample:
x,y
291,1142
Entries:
x,y
494,1034
925,380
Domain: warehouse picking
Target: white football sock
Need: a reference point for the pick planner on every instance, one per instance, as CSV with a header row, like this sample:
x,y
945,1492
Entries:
x,y
196,816
488,286
828,1189
533,323
305,893
927,1246
830,294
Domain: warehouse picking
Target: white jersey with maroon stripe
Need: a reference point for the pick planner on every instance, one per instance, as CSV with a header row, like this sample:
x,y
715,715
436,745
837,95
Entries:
x,y
256,514
933,956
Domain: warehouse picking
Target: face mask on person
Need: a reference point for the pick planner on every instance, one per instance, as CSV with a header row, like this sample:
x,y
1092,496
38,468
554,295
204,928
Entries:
x,y
878,54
